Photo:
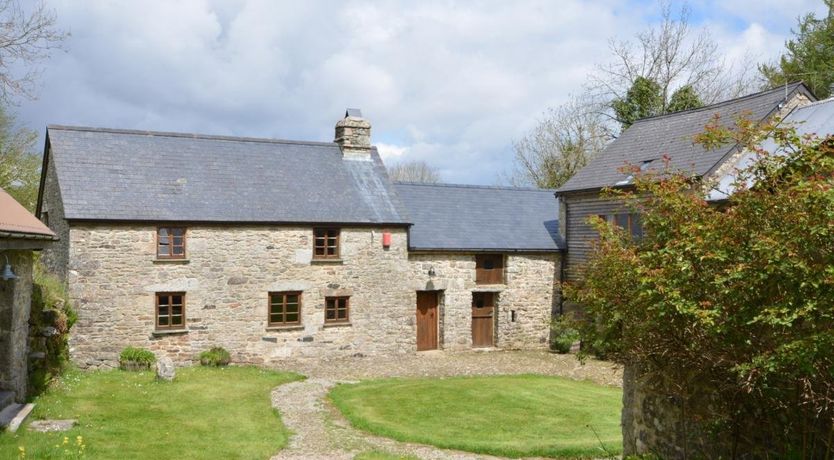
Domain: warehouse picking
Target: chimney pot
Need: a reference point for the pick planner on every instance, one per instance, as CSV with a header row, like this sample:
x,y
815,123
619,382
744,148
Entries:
x,y
353,134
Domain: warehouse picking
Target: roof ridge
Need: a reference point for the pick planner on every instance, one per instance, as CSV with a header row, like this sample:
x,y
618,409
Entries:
x,y
490,187
188,135
792,87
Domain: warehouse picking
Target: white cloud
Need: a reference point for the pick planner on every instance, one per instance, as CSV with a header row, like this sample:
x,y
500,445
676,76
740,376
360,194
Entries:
x,y
451,83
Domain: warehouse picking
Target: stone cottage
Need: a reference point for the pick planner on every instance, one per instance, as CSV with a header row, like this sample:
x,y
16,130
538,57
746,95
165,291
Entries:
x,y
21,234
281,249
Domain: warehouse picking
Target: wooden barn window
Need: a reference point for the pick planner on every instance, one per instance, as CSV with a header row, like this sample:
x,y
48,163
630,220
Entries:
x,y
170,310
630,222
326,243
336,309
284,309
489,269
170,242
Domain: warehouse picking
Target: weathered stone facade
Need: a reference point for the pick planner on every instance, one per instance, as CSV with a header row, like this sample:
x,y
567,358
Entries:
x,y
524,302
230,269
52,214
15,307
114,275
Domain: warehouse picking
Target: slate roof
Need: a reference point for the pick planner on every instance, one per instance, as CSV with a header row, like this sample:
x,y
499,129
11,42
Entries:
x,y
479,218
814,119
16,222
108,174
646,141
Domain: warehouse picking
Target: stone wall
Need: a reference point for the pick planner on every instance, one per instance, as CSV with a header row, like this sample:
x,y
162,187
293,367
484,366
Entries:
x,y
114,275
15,307
56,256
529,291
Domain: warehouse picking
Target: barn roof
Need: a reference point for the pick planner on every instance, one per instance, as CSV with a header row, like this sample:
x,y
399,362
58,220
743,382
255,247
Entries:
x,y
648,140
481,218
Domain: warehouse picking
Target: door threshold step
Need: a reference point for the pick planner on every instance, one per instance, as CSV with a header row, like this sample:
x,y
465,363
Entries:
x,y
13,416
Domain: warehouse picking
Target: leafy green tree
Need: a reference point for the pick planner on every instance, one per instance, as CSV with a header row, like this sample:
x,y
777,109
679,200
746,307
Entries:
x,y
684,98
809,56
19,164
645,99
729,310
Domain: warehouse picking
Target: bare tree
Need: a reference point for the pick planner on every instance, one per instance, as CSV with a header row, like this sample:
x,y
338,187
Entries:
x,y
673,55
561,143
414,171
27,36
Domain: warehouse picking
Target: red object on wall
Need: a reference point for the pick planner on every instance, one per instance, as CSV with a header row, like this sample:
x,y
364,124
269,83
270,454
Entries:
x,y
386,239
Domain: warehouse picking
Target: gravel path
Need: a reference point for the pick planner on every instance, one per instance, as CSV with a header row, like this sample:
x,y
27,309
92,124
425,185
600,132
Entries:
x,y
320,432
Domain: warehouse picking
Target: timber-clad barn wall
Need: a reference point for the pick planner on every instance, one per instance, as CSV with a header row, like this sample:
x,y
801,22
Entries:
x,y
579,234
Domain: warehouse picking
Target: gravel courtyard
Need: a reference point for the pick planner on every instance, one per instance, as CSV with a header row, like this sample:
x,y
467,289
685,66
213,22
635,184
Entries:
x,y
320,432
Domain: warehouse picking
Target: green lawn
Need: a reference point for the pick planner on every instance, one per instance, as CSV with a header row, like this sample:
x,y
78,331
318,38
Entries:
x,y
222,413
513,416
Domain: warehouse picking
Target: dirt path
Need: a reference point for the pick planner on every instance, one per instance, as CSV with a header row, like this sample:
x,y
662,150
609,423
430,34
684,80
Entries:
x,y
320,432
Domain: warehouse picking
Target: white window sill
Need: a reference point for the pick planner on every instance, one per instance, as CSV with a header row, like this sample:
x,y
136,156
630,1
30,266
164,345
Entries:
x,y
285,328
170,331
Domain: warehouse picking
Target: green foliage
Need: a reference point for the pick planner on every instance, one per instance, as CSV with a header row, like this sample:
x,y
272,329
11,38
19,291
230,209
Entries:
x,y
808,55
514,416
734,304
51,319
19,164
645,98
139,356
216,357
684,98
564,334
217,413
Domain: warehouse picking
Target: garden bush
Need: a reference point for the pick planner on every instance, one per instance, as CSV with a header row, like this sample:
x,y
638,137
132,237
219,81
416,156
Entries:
x,y
216,357
132,359
51,319
728,310
564,333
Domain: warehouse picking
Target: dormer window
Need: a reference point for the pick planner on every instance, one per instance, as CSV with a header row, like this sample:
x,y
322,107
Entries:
x,y
170,243
326,243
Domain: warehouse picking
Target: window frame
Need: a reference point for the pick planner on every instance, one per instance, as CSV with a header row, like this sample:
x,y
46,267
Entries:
x,y
284,323
486,275
171,254
336,319
633,221
170,325
338,243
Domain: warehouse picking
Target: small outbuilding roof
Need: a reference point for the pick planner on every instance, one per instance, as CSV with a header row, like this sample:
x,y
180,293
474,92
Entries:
x,y
480,218
646,141
18,223
110,174
816,119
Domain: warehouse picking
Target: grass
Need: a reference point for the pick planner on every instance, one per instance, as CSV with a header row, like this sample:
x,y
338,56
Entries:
x,y
513,416
205,413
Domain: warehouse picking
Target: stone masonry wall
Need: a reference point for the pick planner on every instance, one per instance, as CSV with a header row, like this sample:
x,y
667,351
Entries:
x,y
15,307
529,290
114,275
56,256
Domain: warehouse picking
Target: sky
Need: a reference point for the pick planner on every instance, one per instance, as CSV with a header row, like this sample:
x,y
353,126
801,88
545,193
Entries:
x,y
452,83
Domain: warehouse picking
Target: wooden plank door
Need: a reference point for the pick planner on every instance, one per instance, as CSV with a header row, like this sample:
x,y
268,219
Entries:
x,y
483,319
426,320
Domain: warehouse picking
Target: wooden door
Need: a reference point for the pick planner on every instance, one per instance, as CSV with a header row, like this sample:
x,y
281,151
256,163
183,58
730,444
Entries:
x,y
483,319
426,320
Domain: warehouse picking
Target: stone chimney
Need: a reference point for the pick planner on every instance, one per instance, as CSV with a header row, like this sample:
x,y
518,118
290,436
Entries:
x,y
353,134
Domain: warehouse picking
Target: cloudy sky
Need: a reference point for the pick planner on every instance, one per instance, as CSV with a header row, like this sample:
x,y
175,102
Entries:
x,y
451,83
